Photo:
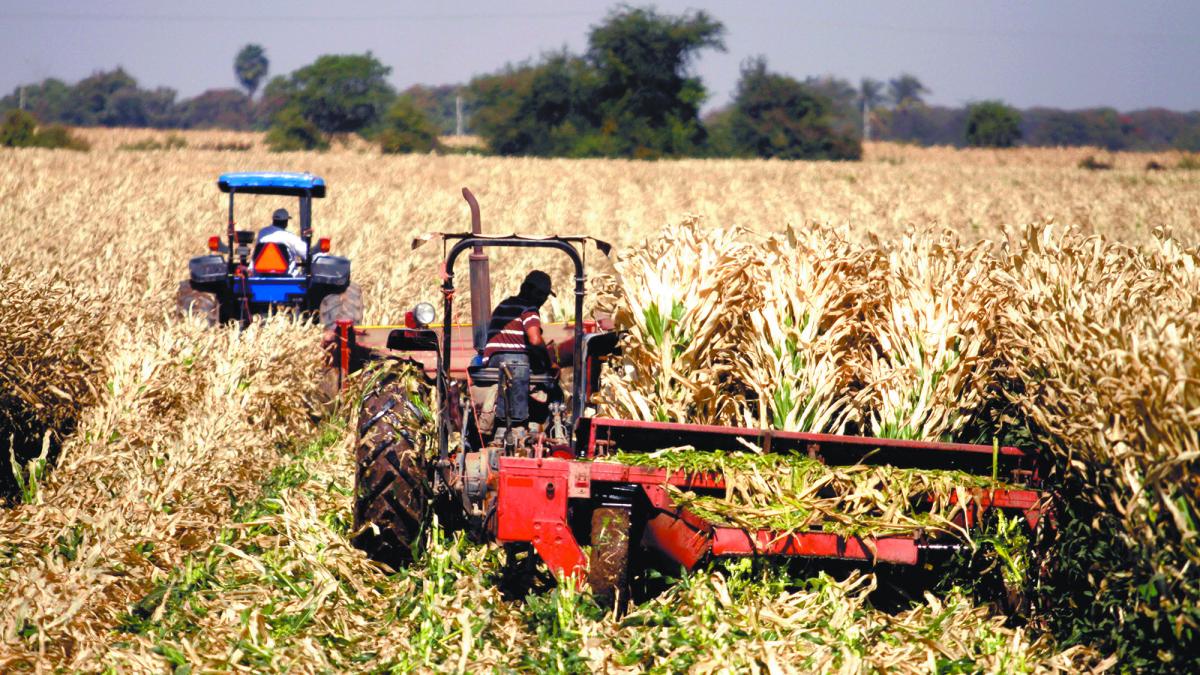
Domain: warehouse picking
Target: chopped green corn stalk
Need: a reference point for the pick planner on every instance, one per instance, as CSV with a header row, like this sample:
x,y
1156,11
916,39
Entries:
x,y
791,492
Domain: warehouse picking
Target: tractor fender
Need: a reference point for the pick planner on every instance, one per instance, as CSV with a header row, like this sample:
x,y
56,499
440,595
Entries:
x,y
207,269
331,270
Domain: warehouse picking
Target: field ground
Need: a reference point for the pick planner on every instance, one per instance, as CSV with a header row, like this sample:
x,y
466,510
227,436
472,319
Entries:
x,y
198,515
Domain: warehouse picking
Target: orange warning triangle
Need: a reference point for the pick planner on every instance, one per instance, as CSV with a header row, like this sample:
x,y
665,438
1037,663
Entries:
x,y
270,260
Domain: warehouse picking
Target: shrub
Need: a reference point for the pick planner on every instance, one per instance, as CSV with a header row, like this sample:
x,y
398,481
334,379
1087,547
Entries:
x,y
171,142
292,132
407,129
20,130
1092,164
992,124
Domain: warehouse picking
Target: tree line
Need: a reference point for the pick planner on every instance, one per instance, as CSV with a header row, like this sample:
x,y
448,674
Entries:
x,y
631,93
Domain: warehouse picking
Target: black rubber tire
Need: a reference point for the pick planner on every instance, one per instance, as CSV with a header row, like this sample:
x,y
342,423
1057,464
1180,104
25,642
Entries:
x,y
348,304
189,301
608,567
392,490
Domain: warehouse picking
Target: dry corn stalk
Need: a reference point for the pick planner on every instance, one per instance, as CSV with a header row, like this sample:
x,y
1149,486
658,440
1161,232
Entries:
x,y
52,338
1104,346
678,299
931,335
793,350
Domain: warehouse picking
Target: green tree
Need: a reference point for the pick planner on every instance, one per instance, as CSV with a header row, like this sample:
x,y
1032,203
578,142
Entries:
x,y
134,107
777,116
646,98
216,109
275,97
89,101
47,100
921,124
292,132
545,109
438,103
906,89
630,96
251,66
406,128
342,93
992,124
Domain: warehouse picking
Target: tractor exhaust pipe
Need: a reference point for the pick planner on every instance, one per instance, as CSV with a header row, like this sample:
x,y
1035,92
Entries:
x,y
481,283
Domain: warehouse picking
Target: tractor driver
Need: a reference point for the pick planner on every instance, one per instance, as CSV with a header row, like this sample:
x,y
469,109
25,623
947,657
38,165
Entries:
x,y
515,343
277,233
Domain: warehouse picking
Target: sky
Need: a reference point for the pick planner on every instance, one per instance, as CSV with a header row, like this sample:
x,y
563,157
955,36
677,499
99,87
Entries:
x,y
1066,54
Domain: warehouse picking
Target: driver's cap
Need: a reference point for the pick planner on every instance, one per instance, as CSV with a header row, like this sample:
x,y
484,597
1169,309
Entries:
x,y
539,280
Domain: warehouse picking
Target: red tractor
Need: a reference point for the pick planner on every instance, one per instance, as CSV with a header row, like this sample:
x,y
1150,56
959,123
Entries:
x,y
554,487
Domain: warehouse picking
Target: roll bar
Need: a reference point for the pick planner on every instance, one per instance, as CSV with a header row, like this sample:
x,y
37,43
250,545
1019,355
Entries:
x,y
306,196
475,243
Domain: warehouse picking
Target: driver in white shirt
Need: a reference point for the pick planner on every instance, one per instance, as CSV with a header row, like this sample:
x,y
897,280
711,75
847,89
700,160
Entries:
x,y
277,233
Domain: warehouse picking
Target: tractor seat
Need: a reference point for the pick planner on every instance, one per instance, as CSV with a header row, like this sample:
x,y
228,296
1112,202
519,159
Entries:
x,y
484,376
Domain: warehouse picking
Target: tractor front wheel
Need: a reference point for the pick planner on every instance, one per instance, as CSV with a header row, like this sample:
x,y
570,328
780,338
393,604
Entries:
x,y
346,305
189,301
392,490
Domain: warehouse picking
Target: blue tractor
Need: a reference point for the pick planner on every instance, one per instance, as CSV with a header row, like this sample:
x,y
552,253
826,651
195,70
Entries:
x,y
242,277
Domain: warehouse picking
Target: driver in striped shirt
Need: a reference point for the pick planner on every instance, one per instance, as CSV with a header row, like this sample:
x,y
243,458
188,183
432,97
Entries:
x,y
515,343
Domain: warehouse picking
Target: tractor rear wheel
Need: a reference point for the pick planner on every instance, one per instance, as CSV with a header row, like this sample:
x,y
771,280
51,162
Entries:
x,y
392,490
608,568
346,305
189,301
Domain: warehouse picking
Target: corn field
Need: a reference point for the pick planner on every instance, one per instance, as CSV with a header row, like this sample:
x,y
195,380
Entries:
x,y
179,497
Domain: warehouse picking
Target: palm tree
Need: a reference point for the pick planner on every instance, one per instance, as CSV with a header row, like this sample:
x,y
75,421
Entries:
x,y
870,95
906,89
251,67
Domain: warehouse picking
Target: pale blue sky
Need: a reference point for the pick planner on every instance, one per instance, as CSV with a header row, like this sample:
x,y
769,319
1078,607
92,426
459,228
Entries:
x,y
1064,54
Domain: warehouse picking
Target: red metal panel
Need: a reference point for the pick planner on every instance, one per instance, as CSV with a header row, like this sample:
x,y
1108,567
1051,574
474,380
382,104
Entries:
x,y
676,538
532,507
556,545
528,496
729,541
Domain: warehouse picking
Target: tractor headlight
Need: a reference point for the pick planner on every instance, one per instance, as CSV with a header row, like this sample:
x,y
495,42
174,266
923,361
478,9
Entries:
x,y
424,314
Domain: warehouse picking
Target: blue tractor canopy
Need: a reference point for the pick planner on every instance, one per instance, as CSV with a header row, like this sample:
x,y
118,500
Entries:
x,y
273,183
306,186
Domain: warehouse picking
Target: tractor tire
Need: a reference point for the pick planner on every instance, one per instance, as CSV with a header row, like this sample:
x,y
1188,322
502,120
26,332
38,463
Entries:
x,y
392,490
191,302
608,568
347,304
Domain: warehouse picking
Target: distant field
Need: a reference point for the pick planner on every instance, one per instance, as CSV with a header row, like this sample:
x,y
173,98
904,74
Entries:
x,y
378,203
198,516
